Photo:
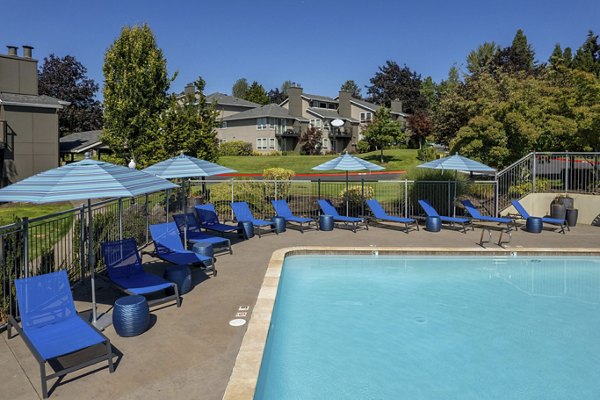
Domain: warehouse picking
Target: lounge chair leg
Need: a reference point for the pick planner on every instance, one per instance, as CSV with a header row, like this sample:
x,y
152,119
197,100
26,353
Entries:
x,y
44,381
111,367
177,298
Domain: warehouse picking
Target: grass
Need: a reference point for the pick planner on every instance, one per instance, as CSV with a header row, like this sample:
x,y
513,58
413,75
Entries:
x,y
394,159
8,212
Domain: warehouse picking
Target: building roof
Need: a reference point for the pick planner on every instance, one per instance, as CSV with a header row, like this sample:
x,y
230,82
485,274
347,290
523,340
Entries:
x,y
269,110
320,98
372,106
328,114
80,142
29,100
226,100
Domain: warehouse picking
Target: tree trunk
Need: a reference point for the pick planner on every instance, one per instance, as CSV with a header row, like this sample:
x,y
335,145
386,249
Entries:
x,y
381,158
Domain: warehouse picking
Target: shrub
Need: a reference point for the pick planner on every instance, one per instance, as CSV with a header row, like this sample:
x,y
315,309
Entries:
x,y
520,190
426,153
251,192
363,146
355,197
432,185
235,148
279,190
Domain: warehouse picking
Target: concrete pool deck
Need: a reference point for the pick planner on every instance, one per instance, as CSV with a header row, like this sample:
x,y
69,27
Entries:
x,y
190,352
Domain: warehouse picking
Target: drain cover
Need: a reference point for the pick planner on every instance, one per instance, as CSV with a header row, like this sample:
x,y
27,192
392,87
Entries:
x,y
237,322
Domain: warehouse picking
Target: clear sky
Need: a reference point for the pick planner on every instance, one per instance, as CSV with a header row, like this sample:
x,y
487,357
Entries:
x,y
317,43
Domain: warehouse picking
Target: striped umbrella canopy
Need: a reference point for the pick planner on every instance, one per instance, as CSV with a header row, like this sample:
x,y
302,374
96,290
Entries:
x,y
84,180
347,162
184,166
457,163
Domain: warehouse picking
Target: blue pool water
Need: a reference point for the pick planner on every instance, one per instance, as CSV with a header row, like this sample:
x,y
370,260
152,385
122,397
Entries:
x,y
434,328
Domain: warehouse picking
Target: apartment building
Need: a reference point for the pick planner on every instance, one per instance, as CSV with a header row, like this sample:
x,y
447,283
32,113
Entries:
x,y
28,121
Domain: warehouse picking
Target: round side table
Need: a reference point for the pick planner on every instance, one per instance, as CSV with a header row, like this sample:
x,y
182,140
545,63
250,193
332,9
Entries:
x,y
246,228
131,315
206,249
326,222
278,224
534,225
181,276
433,224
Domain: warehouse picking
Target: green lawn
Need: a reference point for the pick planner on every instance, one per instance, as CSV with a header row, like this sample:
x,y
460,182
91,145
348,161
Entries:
x,y
394,159
9,211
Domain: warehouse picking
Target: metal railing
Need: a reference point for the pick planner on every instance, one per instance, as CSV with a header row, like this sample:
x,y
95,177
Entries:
x,y
561,172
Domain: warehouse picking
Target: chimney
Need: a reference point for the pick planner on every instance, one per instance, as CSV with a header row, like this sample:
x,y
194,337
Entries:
x,y
396,106
344,108
27,51
189,89
12,50
295,97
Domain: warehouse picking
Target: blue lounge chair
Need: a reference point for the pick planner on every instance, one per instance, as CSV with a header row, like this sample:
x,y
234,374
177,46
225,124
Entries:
x,y
50,326
431,212
475,214
209,219
125,271
190,232
380,214
282,209
168,247
328,209
562,224
242,213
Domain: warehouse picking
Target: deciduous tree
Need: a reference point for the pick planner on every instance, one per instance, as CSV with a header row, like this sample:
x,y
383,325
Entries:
x,y
420,125
310,141
135,93
65,79
393,82
352,87
383,131
240,88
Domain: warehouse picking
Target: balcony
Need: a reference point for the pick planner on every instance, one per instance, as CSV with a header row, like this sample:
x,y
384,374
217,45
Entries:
x,y
290,132
340,133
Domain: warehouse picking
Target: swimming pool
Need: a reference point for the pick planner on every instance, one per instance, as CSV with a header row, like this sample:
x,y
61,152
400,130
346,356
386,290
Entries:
x,y
430,327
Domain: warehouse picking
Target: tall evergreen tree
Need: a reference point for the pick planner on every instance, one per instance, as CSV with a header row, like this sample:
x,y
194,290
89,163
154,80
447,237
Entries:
x,y
587,57
65,78
257,94
428,91
135,93
519,56
393,82
483,58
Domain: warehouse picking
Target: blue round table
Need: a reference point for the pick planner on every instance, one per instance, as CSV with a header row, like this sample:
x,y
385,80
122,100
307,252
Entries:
x,y
181,276
534,225
326,222
131,315
433,224
206,249
246,229
278,223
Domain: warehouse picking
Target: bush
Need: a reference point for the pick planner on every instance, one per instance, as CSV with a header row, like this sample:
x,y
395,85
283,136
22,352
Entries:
x,y
520,190
426,154
279,190
251,192
363,146
432,185
355,197
235,148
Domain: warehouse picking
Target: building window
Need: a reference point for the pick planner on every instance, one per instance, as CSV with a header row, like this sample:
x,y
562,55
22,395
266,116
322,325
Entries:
x,y
224,125
261,123
325,144
366,117
316,123
261,143
280,126
271,144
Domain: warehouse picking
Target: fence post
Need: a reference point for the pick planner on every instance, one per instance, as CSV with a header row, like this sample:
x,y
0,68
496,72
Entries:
x,y
448,198
275,183
319,188
496,196
406,198
566,171
147,220
533,173
82,242
25,228
362,203
120,218
232,197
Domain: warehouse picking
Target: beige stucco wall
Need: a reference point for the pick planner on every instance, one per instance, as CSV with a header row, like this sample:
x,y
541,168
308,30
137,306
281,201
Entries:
x,y
226,111
243,130
538,204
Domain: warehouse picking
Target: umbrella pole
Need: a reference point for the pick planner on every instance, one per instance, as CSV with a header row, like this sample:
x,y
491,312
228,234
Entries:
x,y
347,214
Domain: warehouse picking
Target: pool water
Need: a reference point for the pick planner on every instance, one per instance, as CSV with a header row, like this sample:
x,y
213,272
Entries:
x,y
407,327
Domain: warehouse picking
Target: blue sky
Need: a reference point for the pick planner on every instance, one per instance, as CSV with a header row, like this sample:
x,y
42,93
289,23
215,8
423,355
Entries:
x,y
319,44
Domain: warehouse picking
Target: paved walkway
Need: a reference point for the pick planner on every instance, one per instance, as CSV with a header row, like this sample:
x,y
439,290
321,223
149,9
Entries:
x,y
189,353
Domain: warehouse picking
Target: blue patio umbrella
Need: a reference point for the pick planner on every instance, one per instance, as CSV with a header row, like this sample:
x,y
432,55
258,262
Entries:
x,y
347,162
458,163
84,180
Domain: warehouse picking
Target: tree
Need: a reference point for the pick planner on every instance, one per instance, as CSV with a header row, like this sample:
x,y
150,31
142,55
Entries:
x,y
383,131
135,93
188,126
393,82
240,87
352,87
278,96
310,141
420,125
428,91
256,93
587,57
519,56
450,112
65,78
482,58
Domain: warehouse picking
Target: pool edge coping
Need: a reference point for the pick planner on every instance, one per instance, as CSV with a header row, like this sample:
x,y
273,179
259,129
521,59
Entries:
x,y
244,377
